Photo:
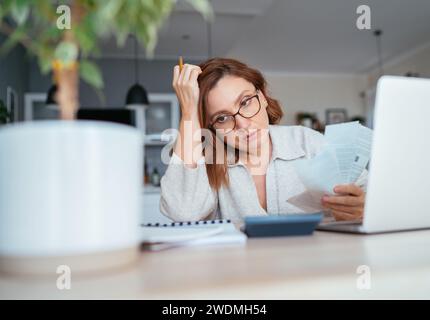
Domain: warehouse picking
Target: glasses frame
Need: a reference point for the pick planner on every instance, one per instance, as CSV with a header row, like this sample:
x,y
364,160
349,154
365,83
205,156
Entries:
x,y
211,126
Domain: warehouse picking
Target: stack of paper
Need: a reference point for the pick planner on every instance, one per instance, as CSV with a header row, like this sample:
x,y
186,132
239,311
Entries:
x,y
175,235
341,161
351,143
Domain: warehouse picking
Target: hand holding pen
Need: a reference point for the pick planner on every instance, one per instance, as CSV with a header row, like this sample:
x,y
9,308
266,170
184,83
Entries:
x,y
186,87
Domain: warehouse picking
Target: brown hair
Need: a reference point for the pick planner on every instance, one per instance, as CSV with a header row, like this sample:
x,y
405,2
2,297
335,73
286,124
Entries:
x,y
212,71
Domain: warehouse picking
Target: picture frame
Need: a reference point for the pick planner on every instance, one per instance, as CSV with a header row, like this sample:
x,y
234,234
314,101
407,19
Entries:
x,y
305,119
336,115
12,104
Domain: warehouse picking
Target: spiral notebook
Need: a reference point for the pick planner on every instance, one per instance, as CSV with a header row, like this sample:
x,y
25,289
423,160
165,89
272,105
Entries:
x,y
158,236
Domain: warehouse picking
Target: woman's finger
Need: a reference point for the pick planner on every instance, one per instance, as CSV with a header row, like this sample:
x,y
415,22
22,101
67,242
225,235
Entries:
x,y
357,211
175,75
182,73
195,74
342,216
343,200
348,189
192,70
185,74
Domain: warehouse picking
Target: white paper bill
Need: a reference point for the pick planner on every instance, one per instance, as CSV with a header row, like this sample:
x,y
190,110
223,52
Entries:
x,y
341,161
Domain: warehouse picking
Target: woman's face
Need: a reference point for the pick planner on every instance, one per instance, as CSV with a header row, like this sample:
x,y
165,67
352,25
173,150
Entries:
x,y
225,99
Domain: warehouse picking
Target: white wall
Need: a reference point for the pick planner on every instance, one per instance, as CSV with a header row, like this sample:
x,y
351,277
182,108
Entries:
x,y
417,60
315,93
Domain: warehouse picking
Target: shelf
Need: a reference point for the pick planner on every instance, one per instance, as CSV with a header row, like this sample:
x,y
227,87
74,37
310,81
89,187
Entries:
x,y
149,188
155,140
155,143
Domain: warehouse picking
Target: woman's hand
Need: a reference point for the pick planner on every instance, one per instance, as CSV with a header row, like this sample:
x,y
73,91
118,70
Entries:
x,y
348,204
187,146
187,89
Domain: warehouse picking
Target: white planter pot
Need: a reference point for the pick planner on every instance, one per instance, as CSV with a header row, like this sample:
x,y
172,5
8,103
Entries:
x,y
69,195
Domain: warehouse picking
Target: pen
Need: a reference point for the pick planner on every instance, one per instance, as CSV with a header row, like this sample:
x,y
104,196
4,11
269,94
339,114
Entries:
x,y
181,64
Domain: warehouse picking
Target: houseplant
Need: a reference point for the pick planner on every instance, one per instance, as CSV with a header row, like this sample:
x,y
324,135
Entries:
x,y
72,188
62,37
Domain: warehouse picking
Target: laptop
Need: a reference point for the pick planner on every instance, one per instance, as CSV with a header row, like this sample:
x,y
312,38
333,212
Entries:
x,y
398,190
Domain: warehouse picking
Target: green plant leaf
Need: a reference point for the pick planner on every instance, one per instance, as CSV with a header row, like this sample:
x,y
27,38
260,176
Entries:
x,y
148,36
13,39
45,56
90,72
45,65
204,7
34,22
85,39
100,96
20,11
109,10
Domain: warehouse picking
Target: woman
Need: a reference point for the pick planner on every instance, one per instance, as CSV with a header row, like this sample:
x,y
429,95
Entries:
x,y
244,166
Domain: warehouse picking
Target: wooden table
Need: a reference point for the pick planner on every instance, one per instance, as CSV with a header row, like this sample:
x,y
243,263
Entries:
x,y
317,267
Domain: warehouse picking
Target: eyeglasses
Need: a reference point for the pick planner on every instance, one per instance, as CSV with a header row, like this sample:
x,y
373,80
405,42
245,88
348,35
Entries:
x,y
248,108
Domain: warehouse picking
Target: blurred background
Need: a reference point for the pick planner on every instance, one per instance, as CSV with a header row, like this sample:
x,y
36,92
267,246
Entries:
x,y
321,67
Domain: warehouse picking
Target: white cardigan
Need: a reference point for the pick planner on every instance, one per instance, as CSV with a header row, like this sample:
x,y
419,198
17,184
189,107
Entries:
x,y
187,196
